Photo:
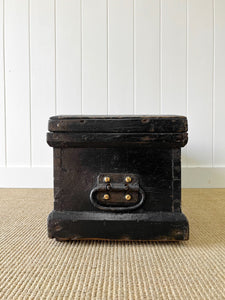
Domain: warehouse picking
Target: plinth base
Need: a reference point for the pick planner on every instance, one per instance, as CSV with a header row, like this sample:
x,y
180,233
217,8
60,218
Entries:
x,y
154,226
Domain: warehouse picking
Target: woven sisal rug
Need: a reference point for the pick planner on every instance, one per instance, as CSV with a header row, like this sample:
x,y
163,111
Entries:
x,y
35,267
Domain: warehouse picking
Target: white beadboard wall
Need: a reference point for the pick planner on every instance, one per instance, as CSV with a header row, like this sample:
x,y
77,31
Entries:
x,y
110,57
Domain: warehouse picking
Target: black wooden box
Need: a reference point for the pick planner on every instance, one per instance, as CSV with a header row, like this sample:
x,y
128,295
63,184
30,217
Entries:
x,y
117,177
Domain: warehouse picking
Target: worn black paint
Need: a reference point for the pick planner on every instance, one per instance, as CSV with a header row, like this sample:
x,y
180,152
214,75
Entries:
x,y
85,147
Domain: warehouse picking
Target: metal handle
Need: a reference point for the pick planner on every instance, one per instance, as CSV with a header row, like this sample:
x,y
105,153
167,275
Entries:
x,y
118,195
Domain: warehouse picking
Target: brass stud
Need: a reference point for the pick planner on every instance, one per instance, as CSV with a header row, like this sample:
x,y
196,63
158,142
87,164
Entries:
x,y
127,197
128,179
106,179
106,197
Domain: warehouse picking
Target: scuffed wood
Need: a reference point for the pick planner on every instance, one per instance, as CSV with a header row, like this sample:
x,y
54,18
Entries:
x,y
152,158
121,124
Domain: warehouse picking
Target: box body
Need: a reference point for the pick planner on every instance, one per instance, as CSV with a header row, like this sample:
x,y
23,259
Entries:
x,y
84,158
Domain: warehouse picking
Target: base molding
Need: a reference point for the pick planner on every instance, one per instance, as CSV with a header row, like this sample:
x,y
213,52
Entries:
x,y
26,177
42,177
203,177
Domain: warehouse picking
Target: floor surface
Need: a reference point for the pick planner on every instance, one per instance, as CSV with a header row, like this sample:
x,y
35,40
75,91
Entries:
x,y
35,267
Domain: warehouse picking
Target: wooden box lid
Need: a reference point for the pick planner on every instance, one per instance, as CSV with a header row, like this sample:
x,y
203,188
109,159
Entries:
x,y
119,124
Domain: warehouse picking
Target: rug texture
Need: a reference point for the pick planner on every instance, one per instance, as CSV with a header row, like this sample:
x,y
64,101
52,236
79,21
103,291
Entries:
x,y
35,267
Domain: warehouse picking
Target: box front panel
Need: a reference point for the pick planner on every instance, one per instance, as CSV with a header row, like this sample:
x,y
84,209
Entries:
x,y
76,171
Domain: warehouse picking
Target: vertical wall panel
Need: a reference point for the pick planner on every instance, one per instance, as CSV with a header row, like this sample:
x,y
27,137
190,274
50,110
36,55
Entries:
x,y
17,82
2,87
147,55
174,57
120,57
42,77
94,57
116,57
200,84
174,60
68,56
219,93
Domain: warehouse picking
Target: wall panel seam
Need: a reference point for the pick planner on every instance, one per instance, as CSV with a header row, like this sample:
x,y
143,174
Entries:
x,y
160,57
29,83
134,58
55,53
213,88
187,62
81,55
107,54
4,83
187,45
187,73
